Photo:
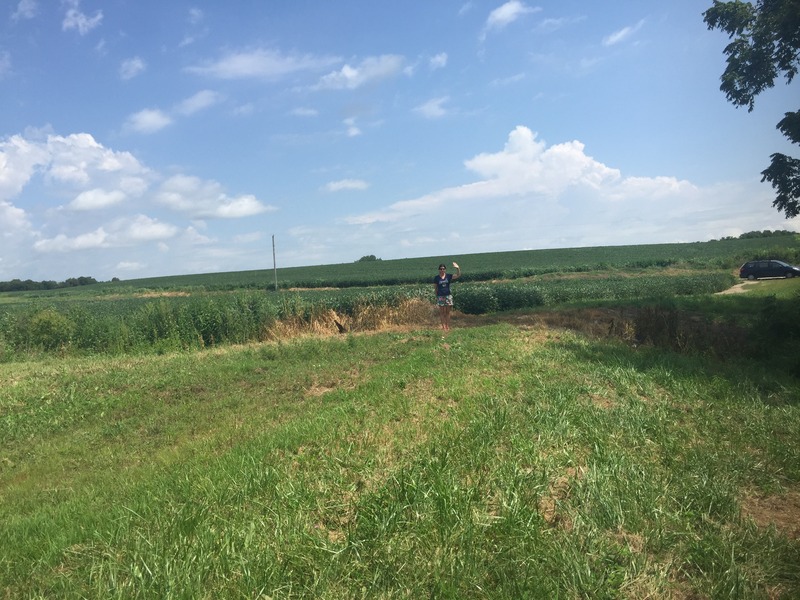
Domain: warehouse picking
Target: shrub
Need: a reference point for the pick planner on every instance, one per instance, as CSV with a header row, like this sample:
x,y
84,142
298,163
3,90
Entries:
x,y
477,299
50,330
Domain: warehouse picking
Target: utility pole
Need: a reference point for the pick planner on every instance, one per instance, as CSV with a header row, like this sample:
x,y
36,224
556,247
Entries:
x,y
274,263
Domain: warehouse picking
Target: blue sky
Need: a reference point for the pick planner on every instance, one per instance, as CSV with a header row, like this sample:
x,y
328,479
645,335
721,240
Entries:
x,y
143,138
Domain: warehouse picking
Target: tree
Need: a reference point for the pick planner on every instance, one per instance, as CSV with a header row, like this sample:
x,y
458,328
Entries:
x,y
765,43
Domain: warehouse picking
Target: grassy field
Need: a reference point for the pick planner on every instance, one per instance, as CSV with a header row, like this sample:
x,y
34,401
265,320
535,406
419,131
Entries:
x,y
719,255
600,444
507,461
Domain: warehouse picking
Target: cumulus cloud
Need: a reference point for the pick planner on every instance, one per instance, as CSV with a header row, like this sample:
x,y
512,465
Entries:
x,y
369,70
261,64
96,198
107,196
526,168
534,195
121,232
19,159
131,67
346,184
206,199
78,159
75,19
12,219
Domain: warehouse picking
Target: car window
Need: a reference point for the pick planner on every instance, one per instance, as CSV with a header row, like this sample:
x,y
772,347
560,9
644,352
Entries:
x,y
763,264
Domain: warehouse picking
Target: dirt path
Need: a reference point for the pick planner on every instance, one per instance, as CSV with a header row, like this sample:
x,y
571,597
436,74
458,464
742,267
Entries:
x,y
739,288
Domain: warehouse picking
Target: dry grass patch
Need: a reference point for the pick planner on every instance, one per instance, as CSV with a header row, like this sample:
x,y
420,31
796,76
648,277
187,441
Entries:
x,y
557,493
781,511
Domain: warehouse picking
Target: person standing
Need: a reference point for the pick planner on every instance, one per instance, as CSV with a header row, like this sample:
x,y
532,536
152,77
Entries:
x,y
444,299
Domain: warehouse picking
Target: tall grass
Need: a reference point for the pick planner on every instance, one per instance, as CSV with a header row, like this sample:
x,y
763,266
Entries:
x,y
201,320
504,462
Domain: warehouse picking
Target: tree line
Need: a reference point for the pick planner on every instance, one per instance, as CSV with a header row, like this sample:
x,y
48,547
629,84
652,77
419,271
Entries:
x,y
17,285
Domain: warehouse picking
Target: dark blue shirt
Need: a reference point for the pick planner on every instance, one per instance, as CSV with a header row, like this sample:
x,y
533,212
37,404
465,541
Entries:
x,y
443,285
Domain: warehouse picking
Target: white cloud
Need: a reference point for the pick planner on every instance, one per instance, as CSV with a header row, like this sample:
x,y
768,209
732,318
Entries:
x,y
261,63
195,20
551,25
465,8
12,219
346,184
433,108
126,231
622,35
153,120
96,199
196,16
352,129
525,167
146,121
506,14
43,169
438,62
75,19
19,159
140,228
531,195
78,159
131,67
74,161
371,69
62,243
200,101
206,199
26,9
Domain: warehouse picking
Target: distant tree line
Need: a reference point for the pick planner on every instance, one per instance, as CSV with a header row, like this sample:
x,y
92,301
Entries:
x,y
17,285
760,234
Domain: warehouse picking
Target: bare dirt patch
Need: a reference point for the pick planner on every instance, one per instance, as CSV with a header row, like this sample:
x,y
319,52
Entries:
x,y
739,288
781,511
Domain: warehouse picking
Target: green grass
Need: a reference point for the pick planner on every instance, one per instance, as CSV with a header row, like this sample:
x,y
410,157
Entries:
x,y
502,462
505,461
76,325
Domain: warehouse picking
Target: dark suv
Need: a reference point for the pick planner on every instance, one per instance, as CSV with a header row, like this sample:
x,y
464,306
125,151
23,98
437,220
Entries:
x,y
755,269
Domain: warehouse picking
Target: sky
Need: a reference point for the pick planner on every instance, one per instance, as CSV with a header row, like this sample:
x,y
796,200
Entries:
x,y
143,138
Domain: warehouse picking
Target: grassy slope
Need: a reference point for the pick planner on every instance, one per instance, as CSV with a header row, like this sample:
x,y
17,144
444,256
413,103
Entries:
x,y
504,462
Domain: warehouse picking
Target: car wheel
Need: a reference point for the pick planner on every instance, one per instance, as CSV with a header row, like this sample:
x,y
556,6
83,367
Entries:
x,y
751,277
789,275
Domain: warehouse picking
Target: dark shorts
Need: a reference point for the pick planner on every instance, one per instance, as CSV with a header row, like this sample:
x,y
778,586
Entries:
x,y
445,300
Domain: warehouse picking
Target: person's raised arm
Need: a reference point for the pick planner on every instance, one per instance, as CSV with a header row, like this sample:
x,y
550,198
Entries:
x,y
458,271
